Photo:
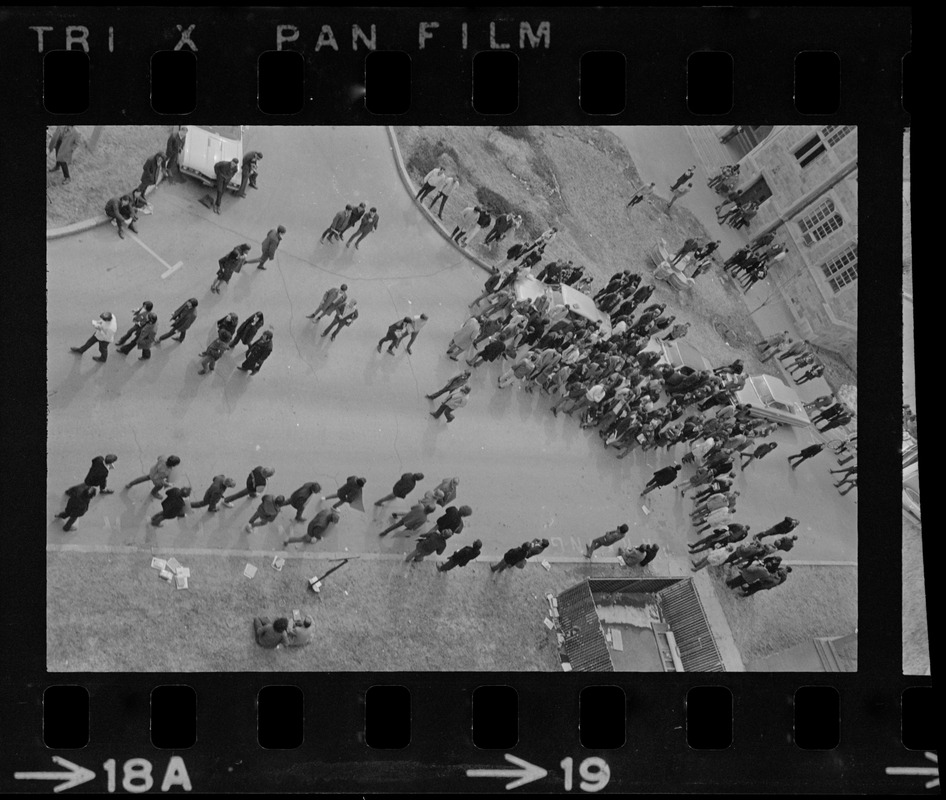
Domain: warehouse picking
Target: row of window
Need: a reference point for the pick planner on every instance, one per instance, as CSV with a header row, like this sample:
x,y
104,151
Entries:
x,y
818,144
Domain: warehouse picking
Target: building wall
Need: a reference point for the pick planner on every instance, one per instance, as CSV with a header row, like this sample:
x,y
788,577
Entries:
x,y
826,317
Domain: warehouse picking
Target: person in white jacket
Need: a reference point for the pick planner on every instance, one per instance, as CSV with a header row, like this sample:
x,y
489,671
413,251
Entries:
x,y
443,193
466,223
105,329
432,180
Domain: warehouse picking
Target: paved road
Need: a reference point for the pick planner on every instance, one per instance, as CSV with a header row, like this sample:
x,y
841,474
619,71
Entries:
x,y
320,411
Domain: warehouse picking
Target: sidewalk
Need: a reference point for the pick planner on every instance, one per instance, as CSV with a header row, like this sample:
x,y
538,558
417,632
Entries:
x,y
709,151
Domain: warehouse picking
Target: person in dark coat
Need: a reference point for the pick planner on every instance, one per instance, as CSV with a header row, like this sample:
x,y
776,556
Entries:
x,y
181,320
662,477
732,533
79,498
270,244
230,263
651,551
145,340
250,166
247,330
173,506
151,171
344,316
224,172
403,487
267,512
98,472
413,520
760,452
369,223
356,214
257,353
396,331
339,222
428,544
65,141
683,179
317,528
809,452
452,385
511,557
494,348
228,324
301,496
255,483
452,519
172,155
462,557
787,525
139,317
503,224
120,210
350,492
214,352
215,493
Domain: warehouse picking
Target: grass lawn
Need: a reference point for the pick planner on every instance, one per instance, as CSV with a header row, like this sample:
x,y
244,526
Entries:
x,y
916,635
113,169
814,601
113,612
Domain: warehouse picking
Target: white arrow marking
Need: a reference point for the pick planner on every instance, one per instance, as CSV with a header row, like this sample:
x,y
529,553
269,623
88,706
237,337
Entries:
x,y
169,269
524,773
919,770
74,777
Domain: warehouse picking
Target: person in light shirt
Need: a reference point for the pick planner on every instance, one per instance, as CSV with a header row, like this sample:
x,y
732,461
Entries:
x,y
106,326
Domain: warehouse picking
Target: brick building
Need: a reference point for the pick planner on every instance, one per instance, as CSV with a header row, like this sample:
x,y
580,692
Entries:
x,y
805,177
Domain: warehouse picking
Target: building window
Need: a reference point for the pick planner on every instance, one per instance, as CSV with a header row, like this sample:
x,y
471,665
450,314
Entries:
x,y
820,223
809,151
835,133
842,269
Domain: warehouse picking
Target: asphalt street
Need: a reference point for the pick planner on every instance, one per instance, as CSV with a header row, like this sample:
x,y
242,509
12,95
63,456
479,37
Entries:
x,y
322,411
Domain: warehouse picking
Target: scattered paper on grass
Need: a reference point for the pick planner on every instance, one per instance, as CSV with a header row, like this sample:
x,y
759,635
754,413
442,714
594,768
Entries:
x,y
548,623
180,581
249,571
296,615
158,563
645,509
278,563
183,572
173,564
548,567
566,666
166,574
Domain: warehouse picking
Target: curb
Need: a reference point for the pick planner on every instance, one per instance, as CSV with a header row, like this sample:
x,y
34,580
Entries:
x,y
93,222
412,191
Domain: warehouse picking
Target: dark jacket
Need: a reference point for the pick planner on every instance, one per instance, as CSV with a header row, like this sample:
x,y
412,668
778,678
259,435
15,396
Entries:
x,y
115,208
186,318
216,349
271,242
173,504
217,489
465,555
228,324
64,142
78,502
356,214
260,349
230,263
351,490
302,494
450,520
98,473
340,222
516,554
225,170
369,222
250,158
151,170
664,476
174,146
405,485
256,480
249,327
147,336
433,542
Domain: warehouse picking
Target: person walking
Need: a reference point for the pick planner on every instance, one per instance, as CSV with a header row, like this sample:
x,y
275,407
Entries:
x,y
213,353
786,525
145,340
428,544
215,493
454,400
809,452
255,483
249,170
172,157
749,574
396,332
776,578
432,180
159,475
339,222
106,326
678,193
356,214
511,557
846,479
403,487
823,402
606,539
452,385
97,475
317,527
152,170
267,512
466,223
640,194
662,477
447,490
501,226
842,418
77,505
247,330
462,557
683,178
269,247
120,210
733,132
794,349
418,321
800,362
139,317
443,194
689,246
300,497
714,558
760,452
181,320
677,332
350,492
224,172
332,301
770,345
452,519
368,223
463,339
227,324
413,520
65,140
730,534
494,348
814,372
257,353
344,317
173,506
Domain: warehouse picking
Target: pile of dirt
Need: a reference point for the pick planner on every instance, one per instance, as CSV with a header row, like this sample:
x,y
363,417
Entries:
x,y
114,168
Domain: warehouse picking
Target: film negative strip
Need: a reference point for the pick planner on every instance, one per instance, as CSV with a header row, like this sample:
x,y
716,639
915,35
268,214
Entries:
x,y
665,207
